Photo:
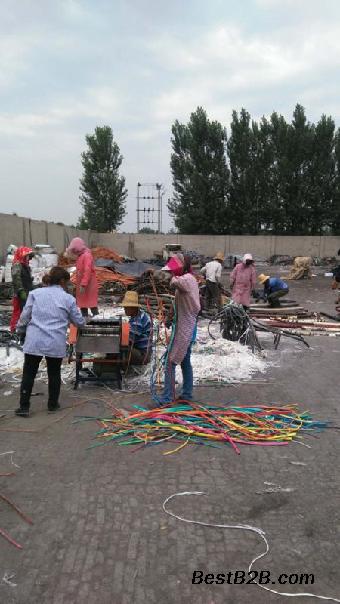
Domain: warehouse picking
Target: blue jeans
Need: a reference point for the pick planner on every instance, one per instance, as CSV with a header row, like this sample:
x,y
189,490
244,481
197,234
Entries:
x,y
169,392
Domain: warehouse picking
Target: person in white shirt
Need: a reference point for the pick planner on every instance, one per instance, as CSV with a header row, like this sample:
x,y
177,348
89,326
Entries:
x,y
213,273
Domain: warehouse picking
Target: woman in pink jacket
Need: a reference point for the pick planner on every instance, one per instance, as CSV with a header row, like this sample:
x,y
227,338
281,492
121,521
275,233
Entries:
x,y
243,281
86,283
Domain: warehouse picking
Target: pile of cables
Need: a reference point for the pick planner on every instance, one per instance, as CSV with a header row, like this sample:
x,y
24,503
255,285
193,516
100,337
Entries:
x,y
210,425
236,325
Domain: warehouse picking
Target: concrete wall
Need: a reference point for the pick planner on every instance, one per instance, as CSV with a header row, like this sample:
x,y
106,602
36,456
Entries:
x,y
24,231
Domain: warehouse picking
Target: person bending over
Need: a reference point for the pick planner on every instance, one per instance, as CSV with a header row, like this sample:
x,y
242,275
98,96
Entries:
x,y
273,289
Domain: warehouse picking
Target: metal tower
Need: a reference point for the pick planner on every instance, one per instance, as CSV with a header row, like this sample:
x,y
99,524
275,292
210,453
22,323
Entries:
x,y
149,206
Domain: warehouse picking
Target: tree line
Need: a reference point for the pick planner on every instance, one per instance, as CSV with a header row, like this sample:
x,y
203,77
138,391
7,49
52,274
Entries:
x,y
269,176
266,176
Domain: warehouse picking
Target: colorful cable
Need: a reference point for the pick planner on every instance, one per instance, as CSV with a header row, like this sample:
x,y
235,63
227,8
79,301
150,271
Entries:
x,y
264,425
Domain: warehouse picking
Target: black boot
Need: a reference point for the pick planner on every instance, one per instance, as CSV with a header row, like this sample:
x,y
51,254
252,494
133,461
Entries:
x,y
22,412
53,407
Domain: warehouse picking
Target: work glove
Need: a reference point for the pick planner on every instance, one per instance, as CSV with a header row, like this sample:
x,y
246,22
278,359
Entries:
x,y
20,332
22,295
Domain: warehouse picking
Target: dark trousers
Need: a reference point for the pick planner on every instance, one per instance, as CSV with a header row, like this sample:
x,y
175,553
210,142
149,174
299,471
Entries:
x,y
85,311
273,298
213,294
138,356
31,366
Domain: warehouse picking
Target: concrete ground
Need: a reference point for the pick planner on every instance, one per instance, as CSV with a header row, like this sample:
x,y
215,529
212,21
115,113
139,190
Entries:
x,y
100,534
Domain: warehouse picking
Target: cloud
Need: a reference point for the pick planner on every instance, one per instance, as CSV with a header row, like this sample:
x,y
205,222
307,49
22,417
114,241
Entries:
x,y
14,53
97,103
228,63
75,64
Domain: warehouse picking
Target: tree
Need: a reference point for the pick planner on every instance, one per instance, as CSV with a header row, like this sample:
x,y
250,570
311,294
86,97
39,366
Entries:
x,y
244,194
103,189
200,176
322,177
335,204
147,231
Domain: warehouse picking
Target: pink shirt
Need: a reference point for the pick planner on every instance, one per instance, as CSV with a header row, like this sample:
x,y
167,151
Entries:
x,y
86,277
188,306
242,281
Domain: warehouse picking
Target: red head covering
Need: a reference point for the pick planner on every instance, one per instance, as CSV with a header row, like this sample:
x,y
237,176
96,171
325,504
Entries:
x,y
21,255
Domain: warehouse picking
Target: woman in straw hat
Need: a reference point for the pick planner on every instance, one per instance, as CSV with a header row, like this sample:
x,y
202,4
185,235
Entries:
x,y
187,306
140,330
243,281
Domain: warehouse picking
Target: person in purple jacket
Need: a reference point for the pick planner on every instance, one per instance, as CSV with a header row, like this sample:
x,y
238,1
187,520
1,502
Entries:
x,y
273,289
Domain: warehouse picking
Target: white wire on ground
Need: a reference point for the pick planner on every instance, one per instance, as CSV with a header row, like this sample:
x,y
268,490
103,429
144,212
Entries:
x,y
11,453
244,527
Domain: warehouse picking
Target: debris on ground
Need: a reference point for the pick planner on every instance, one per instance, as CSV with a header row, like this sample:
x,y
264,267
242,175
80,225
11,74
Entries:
x,y
301,268
194,423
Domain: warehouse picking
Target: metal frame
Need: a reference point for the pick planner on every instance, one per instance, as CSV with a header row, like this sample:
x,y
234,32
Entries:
x,y
152,193
92,377
116,359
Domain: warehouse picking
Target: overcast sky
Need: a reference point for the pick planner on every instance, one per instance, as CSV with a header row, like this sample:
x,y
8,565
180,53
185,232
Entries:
x,y
67,66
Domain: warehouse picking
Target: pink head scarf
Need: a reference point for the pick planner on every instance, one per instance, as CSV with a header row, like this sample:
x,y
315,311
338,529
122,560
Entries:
x,y
77,246
175,266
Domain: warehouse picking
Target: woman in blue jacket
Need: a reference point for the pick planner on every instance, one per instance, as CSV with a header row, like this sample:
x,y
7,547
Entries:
x,y
274,289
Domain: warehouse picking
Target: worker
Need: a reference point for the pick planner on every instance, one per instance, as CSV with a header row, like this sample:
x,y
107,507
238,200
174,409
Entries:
x,y
86,280
140,336
45,318
22,282
213,273
187,307
243,281
274,289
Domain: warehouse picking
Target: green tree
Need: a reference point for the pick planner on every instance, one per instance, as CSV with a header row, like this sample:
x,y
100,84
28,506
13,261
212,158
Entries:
x,y
276,215
335,203
297,184
147,231
243,154
322,177
200,176
103,189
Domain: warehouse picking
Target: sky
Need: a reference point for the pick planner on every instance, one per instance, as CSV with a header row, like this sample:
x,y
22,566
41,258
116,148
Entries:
x,y
67,66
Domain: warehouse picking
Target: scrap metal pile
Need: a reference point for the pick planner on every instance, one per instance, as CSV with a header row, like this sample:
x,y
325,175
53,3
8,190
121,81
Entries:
x,y
294,319
110,281
154,294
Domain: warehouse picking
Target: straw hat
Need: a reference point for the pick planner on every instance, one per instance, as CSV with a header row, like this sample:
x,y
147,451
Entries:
x,y
130,300
219,256
263,278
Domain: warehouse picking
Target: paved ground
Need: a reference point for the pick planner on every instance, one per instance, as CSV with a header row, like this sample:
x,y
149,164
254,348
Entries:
x,y
100,534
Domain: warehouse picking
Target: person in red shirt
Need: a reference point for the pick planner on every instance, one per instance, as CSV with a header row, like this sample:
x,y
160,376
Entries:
x,y
86,280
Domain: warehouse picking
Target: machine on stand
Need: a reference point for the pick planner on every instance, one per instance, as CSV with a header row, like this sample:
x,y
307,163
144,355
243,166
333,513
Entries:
x,y
108,338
